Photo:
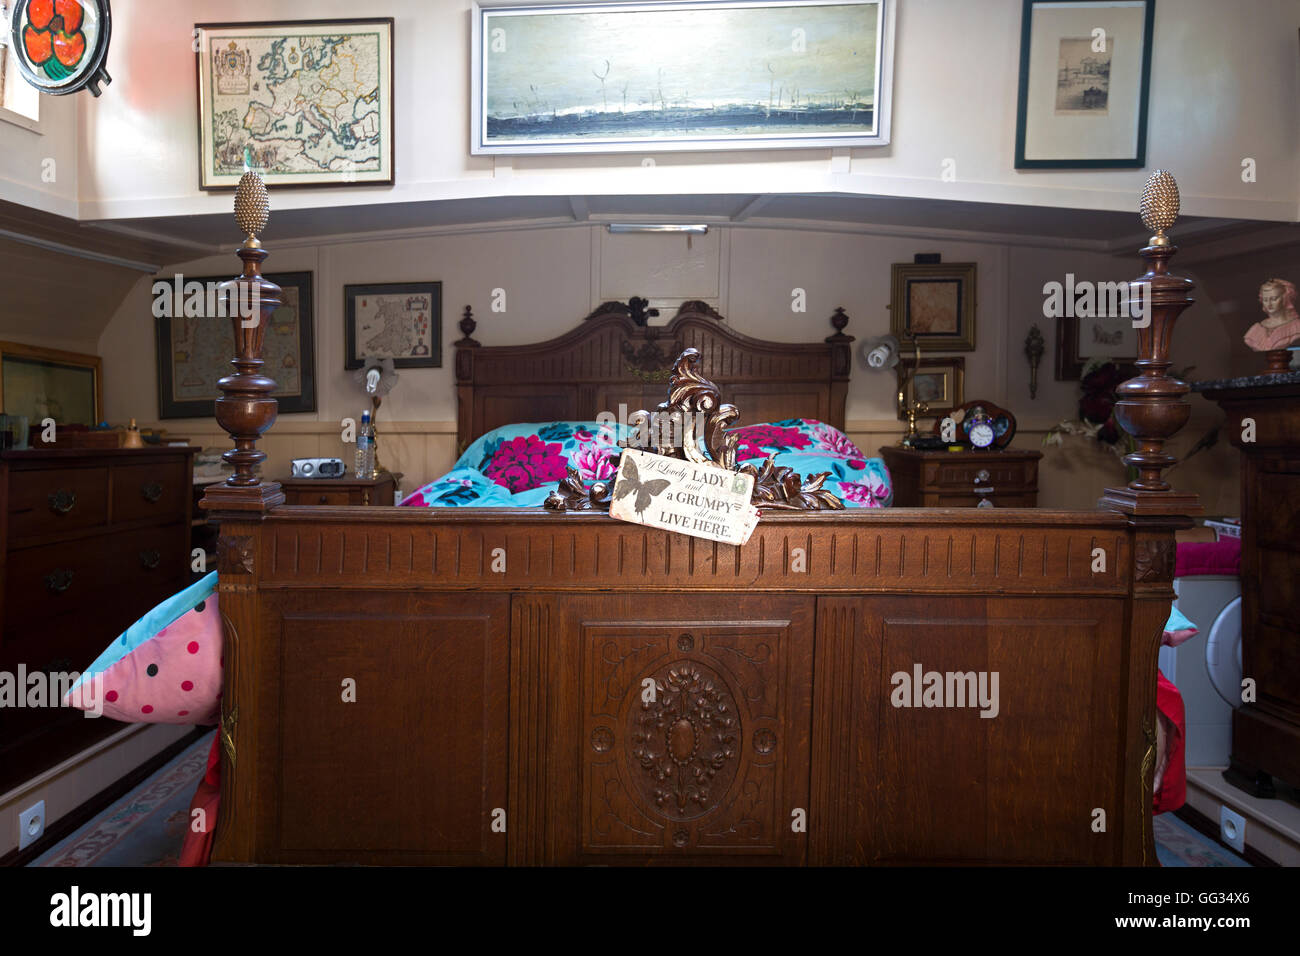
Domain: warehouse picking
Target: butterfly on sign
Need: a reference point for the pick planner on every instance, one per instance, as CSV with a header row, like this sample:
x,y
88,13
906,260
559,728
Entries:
x,y
645,490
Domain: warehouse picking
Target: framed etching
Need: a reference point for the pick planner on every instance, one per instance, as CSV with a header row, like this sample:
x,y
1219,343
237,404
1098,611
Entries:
x,y
195,351
1085,69
1079,340
656,76
304,102
401,321
939,382
935,304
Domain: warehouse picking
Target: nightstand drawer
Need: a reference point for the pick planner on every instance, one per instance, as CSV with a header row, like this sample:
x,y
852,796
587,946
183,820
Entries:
x,y
979,474
941,479
309,496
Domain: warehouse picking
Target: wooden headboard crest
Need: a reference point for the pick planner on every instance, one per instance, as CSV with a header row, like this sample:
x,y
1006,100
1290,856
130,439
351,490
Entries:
x,y
615,358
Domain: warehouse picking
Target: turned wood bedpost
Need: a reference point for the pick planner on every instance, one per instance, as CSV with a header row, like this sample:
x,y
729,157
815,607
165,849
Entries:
x,y
1152,408
245,410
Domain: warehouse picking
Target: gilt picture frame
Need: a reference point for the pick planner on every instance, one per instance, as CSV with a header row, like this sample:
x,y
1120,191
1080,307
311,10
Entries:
x,y
1085,77
940,382
38,383
935,304
699,75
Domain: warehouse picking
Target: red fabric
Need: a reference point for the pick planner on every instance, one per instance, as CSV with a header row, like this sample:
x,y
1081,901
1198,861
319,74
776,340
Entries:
x,y
1208,557
197,848
1173,785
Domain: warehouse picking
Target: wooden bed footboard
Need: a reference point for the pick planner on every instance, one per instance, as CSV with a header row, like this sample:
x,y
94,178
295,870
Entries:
x,y
527,687
408,686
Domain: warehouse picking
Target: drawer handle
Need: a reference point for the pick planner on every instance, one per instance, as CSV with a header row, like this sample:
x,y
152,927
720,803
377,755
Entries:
x,y
323,499
62,501
151,492
149,559
981,475
59,580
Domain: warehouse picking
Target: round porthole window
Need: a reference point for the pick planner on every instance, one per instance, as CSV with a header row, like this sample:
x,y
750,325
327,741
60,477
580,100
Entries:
x,y
61,45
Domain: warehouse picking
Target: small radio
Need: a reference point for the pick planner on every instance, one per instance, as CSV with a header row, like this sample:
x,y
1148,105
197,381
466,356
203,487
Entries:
x,y
318,468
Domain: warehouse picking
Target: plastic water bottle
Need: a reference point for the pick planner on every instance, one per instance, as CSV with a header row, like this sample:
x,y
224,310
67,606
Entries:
x,y
365,448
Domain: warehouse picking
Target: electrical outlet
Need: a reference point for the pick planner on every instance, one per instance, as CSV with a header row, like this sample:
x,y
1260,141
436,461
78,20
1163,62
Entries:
x,y
1232,829
31,824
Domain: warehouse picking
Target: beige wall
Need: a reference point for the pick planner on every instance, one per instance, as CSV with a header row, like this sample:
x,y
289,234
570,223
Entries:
x,y
552,277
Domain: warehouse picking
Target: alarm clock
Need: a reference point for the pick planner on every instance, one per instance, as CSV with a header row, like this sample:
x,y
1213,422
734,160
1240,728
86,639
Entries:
x,y
980,432
981,425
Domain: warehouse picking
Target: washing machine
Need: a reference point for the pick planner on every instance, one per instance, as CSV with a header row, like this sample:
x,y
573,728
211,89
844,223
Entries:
x,y
1206,668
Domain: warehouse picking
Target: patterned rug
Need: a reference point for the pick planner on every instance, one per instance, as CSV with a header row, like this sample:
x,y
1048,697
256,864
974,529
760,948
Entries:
x,y
146,827
1178,844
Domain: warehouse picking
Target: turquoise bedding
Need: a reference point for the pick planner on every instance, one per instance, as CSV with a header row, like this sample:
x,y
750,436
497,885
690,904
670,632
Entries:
x,y
517,466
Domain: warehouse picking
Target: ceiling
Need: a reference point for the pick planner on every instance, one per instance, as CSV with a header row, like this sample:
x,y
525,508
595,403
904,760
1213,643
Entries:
x,y
877,214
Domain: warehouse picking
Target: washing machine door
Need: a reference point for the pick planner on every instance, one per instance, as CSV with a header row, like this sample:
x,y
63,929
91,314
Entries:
x,y
1223,653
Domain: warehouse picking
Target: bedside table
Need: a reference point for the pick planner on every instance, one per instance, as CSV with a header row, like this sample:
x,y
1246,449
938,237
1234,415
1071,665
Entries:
x,y
365,492
963,479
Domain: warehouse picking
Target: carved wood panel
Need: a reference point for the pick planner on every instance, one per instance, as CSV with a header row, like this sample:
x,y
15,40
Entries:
x,y
691,727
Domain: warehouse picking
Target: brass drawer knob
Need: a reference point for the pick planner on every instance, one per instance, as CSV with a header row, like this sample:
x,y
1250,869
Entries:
x,y
149,559
151,492
58,580
62,501
981,475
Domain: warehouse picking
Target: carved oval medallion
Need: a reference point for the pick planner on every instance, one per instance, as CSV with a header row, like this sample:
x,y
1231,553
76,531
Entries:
x,y
684,745
685,642
764,740
681,740
602,738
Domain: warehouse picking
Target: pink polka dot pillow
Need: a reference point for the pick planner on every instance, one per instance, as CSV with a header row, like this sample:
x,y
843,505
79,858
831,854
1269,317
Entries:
x,y
166,668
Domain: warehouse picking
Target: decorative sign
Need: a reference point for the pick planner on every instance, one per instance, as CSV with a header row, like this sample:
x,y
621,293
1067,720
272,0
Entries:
x,y
703,501
60,45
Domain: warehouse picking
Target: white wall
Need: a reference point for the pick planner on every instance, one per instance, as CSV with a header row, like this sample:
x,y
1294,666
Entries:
x,y
39,168
1224,86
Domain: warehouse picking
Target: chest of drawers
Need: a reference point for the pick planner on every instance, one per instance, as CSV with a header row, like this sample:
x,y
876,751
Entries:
x,y
944,479
89,541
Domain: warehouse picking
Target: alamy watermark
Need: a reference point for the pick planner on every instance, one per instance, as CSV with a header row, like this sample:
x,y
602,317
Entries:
x,y
207,300
39,689
1085,299
922,688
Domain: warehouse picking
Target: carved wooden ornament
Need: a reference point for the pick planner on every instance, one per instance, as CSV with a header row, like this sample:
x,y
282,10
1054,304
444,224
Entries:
x,y
694,411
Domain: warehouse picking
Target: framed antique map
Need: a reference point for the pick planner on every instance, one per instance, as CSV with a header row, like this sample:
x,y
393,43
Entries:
x,y
195,351
401,321
303,103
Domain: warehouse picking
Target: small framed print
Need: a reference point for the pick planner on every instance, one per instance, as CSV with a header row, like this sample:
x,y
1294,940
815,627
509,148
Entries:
x,y
939,382
935,304
39,383
401,321
1085,69
1079,340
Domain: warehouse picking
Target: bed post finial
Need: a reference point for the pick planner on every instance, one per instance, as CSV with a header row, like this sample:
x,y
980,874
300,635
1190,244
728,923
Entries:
x,y
246,409
1152,407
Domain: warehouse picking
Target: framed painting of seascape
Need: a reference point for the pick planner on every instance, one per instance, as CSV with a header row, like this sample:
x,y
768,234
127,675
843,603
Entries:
x,y
648,77
304,103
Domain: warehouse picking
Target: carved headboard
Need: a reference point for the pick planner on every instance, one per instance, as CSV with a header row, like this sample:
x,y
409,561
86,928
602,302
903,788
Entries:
x,y
615,358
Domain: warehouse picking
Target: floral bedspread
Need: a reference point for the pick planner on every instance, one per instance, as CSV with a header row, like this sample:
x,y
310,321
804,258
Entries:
x,y
517,466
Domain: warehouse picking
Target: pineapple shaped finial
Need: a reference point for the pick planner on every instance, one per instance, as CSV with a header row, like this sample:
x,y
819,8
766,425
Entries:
x,y
252,208
1159,205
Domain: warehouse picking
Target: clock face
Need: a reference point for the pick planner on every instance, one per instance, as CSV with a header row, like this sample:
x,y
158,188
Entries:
x,y
981,435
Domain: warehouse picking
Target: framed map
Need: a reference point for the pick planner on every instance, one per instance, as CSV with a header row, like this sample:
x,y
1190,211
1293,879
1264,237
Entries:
x,y
401,321
194,352
304,103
